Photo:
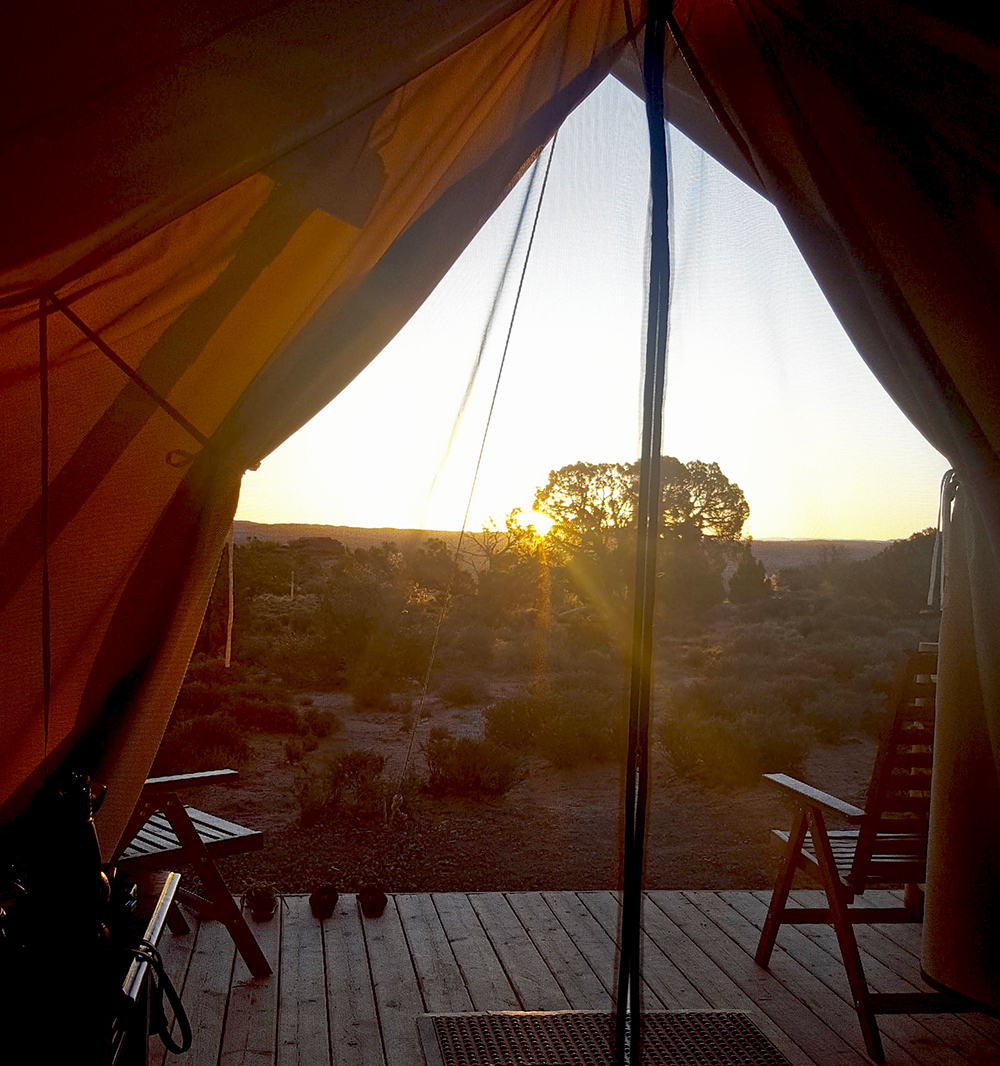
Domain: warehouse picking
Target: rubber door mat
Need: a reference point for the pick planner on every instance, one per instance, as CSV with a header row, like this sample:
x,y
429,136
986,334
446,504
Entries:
x,y
585,1038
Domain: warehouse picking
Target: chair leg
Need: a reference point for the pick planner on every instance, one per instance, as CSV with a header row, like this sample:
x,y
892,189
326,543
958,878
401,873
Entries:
x,y
782,886
229,913
176,921
845,935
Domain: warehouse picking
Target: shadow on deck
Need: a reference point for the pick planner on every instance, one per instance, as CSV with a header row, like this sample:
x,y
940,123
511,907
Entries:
x,y
347,991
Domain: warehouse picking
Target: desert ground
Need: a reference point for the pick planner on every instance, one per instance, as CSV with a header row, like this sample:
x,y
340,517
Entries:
x,y
557,829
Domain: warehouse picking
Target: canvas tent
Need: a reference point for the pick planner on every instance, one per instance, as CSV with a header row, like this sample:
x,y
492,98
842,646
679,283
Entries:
x,y
216,213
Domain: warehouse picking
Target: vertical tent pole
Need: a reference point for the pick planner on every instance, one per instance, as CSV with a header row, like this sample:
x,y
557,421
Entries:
x,y
229,608
43,388
627,1016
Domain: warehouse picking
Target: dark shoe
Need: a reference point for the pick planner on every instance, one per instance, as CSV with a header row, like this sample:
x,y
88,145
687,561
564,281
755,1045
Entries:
x,y
323,901
262,902
372,900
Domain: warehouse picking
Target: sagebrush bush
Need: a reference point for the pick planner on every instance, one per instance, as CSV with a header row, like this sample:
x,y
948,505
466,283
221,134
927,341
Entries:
x,y
463,690
205,742
298,747
511,723
373,690
580,724
268,713
570,736
321,723
348,785
729,736
466,767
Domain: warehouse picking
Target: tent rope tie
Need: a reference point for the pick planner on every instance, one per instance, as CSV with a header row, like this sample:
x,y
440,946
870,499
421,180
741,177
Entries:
x,y
43,385
176,457
935,588
398,797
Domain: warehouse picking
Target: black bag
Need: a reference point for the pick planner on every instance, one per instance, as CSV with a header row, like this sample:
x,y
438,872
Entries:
x,y
68,933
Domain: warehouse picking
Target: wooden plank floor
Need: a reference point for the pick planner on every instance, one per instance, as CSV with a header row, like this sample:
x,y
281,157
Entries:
x,y
347,991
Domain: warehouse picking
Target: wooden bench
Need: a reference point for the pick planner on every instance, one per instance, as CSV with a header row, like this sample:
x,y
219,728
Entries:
x,y
163,832
887,847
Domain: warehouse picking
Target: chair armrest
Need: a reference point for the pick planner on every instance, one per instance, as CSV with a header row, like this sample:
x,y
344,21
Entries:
x,y
815,798
156,785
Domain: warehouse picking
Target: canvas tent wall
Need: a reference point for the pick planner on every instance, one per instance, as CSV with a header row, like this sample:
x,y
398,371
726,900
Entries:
x,y
243,203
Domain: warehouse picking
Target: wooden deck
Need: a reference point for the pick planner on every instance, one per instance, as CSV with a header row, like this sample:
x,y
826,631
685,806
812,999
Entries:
x,y
347,991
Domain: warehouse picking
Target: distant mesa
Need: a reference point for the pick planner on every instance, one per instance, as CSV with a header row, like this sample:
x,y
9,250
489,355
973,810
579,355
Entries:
x,y
774,554
351,537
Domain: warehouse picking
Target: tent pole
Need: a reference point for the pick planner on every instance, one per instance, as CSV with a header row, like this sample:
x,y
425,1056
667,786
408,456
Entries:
x,y
627,1015
43,387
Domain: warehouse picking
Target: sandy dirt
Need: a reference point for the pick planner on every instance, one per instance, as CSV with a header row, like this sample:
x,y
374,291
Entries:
x,y
558,829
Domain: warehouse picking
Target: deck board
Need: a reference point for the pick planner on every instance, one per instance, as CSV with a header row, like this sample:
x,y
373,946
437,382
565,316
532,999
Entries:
x,y
176,951
206,992
252,1018
672,989
726,945
440,979
397,994
719,990
536,988
354,1028
909,1042
484,975
303,1026
575,976
349,991
890,968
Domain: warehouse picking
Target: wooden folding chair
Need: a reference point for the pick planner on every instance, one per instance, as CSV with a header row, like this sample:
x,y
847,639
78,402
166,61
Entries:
x,y
164,833
886,847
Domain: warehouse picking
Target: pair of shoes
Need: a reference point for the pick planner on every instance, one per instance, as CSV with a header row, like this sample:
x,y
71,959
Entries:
x,y
323,901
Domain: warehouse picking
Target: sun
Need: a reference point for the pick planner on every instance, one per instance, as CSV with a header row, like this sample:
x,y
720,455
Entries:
x,y
542,522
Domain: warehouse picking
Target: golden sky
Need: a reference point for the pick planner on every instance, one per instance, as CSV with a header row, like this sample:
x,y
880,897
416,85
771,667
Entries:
x,y
761,377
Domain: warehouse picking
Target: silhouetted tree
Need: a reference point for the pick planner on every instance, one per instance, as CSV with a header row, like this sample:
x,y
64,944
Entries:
x,y
749,581
899,573
593,506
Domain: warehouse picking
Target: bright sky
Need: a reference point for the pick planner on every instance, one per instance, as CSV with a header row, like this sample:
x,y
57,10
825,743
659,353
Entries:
x,y
761,377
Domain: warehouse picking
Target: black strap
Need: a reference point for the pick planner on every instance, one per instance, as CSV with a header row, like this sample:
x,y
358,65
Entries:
x,y
160,985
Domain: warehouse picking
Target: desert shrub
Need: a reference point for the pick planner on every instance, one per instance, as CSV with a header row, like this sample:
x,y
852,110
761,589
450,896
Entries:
x,y
316,794
373,690
321,723
297,747
349,784
729,736
465,767
362,791
765,639
268,713
683,738
830,714
770,608
201,697
359,765
206,742
570,735
463,690
511,723
208,670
